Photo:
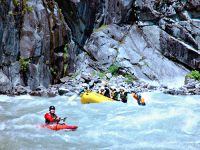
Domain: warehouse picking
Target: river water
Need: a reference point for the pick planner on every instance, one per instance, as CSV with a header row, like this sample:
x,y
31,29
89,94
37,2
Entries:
x,y
166,122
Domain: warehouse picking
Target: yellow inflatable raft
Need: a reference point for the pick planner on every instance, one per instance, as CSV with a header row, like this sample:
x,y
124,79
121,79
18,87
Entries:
x,y
93,97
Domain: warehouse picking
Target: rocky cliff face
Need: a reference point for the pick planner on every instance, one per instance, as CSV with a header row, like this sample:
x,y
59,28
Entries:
x,y
44,40
139,44
33,35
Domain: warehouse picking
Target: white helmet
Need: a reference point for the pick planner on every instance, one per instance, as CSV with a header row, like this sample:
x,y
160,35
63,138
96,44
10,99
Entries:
x,y
113,88
122,88
84,85
105,83
102,88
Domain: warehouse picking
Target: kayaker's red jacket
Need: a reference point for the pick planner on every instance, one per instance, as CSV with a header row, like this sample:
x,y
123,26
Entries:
x,y
51,118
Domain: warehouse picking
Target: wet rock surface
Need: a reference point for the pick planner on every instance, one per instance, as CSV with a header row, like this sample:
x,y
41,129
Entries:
x,y
31,36
43,41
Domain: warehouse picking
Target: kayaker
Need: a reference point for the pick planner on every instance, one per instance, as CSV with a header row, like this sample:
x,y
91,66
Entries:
x,y
114,93
51,117
123,94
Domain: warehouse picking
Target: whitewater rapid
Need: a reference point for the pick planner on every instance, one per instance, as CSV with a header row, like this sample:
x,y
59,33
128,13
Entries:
x,y
166,122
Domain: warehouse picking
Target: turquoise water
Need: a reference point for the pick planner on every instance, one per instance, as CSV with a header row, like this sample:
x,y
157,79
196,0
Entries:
x,y
166,122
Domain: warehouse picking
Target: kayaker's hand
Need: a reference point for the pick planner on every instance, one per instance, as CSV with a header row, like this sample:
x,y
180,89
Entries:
x,y
58,119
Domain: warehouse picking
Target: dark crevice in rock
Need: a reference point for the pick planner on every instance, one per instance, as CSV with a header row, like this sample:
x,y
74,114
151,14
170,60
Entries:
x,y
84,50
80,18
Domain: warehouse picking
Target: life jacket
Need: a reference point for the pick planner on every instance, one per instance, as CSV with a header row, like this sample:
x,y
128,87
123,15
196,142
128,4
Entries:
x,y
50,118
114,95
107,92
139,99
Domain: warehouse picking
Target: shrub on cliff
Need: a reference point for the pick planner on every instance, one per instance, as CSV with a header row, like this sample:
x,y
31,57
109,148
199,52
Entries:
x,y
113,69
194,75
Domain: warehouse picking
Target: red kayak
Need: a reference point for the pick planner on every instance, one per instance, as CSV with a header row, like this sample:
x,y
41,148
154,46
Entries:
x,y
57,127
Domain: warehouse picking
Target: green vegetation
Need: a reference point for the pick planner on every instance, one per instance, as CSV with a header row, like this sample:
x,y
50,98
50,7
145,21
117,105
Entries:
x,y
101,28
65,56
65,69
113,69
53,71
101,74
25,8
60,11
194,75
65,53
129,78
24,64
93,73
16,3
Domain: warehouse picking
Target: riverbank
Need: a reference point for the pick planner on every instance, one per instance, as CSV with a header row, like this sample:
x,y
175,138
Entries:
x,y
71,85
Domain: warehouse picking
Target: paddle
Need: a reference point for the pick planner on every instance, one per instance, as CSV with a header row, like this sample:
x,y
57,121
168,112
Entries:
x,y
63,119
73,97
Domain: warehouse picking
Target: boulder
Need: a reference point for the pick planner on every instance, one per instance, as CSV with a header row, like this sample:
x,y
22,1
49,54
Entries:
x,y
63,90
86,77
65,79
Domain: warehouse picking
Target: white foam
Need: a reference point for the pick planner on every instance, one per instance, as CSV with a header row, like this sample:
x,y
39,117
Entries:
x,y
2,126
5,98
175,82
24,126
1,108
191,121
65,137
22,97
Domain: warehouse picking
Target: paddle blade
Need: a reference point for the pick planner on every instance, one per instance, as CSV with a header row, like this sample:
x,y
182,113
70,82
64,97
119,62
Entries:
x,y
73,97
64,119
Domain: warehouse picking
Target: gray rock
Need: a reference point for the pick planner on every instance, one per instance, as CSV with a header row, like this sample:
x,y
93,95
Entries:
x,y
63,90
78,77
20,90
40,88
109,75
15,74
33,79
5,83
170,91
151,87
51,93
184,53
65,79
86,77
190,86
104,30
